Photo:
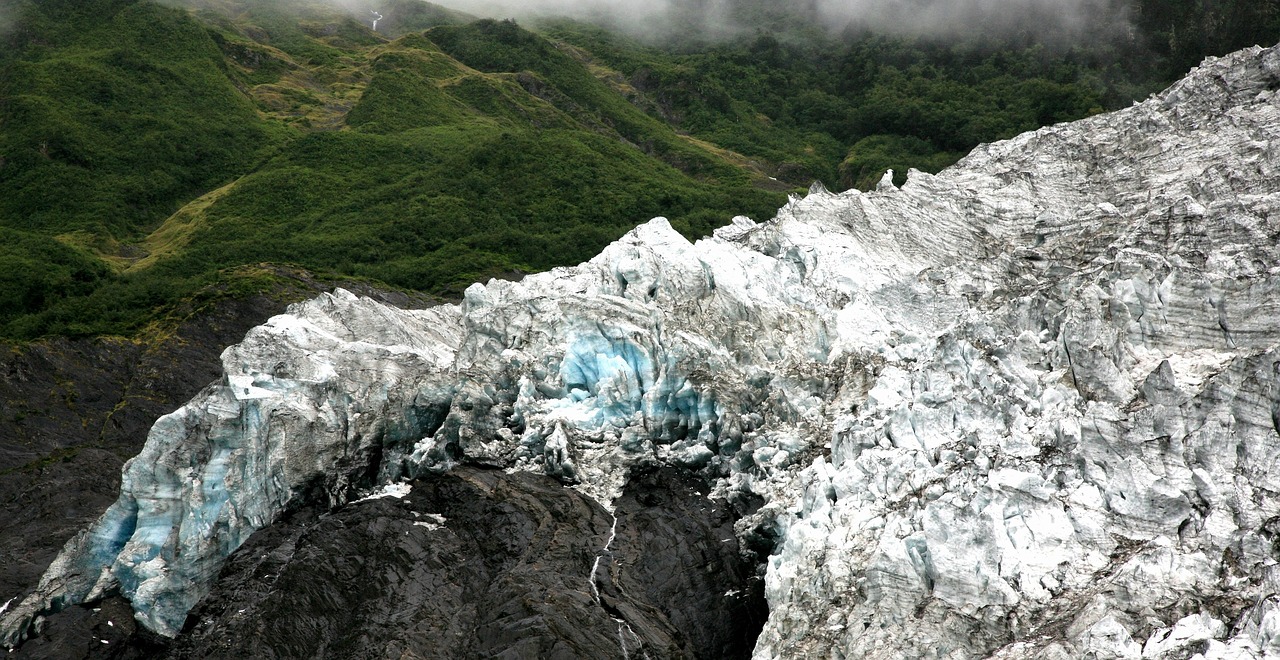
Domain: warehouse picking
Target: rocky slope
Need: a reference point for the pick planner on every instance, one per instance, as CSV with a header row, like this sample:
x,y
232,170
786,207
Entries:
x,y
1027,407
471,563
480,563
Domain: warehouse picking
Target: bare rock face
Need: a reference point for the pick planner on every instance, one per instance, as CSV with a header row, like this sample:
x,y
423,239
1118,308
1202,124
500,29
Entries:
x,y
481,563
1028,407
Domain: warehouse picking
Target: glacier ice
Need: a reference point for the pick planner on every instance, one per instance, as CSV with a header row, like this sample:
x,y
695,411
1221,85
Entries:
x,y
1027,407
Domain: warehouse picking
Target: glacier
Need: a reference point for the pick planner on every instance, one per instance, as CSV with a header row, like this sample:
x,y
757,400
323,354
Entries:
x,y
1027,407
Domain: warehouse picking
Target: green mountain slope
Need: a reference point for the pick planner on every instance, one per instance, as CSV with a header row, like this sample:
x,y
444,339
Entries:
x,y
114,113
344,153
149,151
843,109
449,173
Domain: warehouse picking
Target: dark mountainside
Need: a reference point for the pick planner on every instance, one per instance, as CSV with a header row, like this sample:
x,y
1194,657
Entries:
x,y
155,163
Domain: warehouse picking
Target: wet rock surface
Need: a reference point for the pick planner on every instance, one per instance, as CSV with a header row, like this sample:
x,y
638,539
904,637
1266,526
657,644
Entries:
x,y
472,563
75,410
480,563
676,548
104,630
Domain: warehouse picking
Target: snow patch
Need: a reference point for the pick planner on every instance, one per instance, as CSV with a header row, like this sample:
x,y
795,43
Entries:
x,y
398,490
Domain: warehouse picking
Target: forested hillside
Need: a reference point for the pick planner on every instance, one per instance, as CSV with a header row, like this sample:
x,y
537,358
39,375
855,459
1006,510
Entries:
x,y
150,153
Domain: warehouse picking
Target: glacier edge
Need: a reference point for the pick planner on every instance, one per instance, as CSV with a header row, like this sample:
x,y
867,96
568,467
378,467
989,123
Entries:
x,y
1029,406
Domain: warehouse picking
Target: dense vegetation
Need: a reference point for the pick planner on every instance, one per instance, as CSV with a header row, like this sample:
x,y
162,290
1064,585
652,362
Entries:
x,y
510,157
844,108
147,152
1179,33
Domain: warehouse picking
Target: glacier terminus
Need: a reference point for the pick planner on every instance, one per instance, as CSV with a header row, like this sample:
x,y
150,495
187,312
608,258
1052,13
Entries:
x,y
1026,407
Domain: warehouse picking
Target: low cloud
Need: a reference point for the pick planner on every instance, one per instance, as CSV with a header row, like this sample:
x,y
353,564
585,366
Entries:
x,y
1051,19
632,13
7,17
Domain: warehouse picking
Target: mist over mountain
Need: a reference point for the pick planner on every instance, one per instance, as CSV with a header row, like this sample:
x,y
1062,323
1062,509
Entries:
x,y
1049,20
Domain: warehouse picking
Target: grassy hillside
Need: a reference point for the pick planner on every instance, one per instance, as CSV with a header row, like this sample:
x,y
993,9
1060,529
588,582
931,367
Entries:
x,y
112,115
115,113
147,151
845,108
297,135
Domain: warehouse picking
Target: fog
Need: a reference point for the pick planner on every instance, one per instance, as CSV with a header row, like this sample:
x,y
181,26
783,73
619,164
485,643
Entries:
x,y
1050,19
7,11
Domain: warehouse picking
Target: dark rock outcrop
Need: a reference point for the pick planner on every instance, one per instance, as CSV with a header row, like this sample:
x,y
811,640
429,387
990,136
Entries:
x,y
473,563
676,548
